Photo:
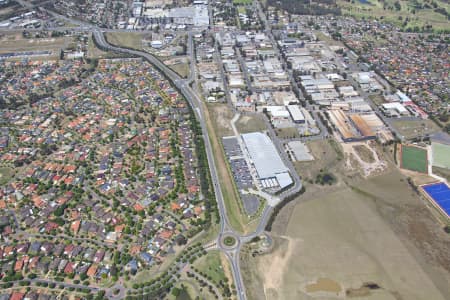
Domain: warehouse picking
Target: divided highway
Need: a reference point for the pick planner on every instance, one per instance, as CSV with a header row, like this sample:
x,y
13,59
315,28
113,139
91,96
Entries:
x,y
183,85
195,102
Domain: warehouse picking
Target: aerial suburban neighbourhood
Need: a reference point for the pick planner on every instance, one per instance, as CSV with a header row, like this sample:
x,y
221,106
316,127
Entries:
x,y
230,149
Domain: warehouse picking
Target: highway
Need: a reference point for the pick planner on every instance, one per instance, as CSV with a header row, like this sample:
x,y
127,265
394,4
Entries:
x,y
225,229
195,102
183,85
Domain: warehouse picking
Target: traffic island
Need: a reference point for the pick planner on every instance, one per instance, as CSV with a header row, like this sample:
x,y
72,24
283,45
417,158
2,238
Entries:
x,y
229,241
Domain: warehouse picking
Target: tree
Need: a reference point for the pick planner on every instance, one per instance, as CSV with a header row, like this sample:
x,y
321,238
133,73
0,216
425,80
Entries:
x,y
444,118
83,276
176,291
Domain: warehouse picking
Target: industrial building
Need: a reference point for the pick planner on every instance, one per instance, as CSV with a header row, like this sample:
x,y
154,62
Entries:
x,y
353,127
279,116
271,170
296,114
196,15
394,109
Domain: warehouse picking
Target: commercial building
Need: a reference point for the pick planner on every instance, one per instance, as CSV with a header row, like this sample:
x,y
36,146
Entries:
x,y
156,44
271,170
296,114
394,109
196,15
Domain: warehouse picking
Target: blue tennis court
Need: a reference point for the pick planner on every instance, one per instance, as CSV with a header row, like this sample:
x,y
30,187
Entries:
x,y
440,192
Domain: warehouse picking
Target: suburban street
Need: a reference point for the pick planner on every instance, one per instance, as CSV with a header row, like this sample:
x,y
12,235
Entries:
x,y
196,105
225,229
146,145
192,96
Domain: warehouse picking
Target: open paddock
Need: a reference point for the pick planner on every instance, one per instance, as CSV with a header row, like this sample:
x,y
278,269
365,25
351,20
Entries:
x,y
343,241
15,43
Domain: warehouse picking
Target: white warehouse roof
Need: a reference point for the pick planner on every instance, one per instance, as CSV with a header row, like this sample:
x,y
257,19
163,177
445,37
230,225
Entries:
x,y
278,111
296,113
396,106
264,155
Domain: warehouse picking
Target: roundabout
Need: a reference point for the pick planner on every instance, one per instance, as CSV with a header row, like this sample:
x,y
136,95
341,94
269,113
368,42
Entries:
x,y
228,241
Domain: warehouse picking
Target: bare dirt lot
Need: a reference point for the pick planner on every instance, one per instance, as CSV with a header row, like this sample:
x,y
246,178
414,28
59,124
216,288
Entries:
x,y
222,115
247,124
366,239
364,158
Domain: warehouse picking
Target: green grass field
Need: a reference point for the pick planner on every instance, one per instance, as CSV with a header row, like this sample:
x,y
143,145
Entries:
x,y
414,159
441,155
242,2
5,175
211,265
385,10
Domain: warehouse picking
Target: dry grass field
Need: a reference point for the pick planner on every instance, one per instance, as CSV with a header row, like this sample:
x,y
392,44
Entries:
x,y
253,123
445,173
126,39
414,128
326,158
287,133
222,116
364,153
181,69
14,42
364,239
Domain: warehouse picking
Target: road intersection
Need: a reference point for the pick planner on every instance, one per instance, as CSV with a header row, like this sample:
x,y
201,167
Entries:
x,y
232,252
184,86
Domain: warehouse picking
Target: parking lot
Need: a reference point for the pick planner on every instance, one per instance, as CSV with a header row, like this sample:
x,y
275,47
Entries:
x,y
251,203
231,146
239,167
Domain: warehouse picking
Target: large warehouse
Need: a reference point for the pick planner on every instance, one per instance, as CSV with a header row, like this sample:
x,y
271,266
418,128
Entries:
x,y
268,164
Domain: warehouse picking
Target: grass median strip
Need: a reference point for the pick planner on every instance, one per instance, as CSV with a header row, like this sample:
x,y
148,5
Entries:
x,y
237,218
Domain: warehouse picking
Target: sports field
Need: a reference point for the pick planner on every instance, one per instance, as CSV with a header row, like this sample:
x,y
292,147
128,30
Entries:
x,y
441,155
440,193
414,159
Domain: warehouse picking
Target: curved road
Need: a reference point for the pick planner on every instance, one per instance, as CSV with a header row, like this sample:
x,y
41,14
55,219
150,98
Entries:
x,y
183,86
195,102
197,107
